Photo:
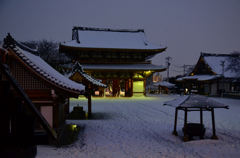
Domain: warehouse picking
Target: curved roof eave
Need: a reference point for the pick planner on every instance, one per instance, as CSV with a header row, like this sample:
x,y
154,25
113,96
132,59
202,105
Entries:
x,y
58,86
63,47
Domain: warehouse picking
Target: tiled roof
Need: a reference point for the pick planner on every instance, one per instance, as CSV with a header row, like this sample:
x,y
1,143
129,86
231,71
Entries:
x,y
195,101
42,68
86,37
215,61
78,68
164,84
199,77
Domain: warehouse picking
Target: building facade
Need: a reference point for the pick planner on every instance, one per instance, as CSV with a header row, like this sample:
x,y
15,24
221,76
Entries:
x,y
47,89
120,58
214,75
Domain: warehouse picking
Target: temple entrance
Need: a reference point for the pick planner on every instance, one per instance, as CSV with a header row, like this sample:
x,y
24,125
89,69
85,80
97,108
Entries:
x,y
116,88
121,88
138,88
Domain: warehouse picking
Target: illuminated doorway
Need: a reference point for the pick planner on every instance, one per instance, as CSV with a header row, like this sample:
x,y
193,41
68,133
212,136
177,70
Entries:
x,y
138,88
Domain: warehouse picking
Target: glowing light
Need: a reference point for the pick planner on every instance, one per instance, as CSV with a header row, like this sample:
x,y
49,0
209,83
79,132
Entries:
x,y
97,92
138,86
147,73
122,93
138,76
186,90
73,127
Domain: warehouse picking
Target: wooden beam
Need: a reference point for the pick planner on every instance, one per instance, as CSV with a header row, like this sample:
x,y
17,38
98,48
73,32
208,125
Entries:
x,y
175,123
89,105
201,116
214,136
185,116
185,137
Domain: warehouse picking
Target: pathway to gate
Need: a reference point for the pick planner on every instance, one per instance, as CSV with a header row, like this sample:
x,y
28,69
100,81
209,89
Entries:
x,y
142,128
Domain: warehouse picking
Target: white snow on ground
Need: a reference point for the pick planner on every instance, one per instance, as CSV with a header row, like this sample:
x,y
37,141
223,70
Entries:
x,y
142,128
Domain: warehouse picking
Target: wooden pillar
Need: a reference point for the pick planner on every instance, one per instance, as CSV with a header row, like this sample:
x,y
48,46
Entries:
x,y
185,117
89,105
55,115
130,87
66,108
175,123
144,87
185,137
126,88
116,87
201,116
214,136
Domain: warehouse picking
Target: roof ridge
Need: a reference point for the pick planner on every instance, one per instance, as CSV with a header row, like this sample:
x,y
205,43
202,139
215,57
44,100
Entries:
x,y
218,55
10,42
106,29
26,48
77,67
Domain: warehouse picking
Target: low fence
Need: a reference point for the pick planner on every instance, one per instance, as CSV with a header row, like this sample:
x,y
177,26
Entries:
x,y
232,95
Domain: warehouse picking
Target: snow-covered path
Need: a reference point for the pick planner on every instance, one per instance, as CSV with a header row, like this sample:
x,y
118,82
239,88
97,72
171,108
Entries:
x,y
141,128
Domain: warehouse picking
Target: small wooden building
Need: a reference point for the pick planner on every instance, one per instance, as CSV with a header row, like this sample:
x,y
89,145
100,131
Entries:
x,y
48,90
18,116
92,85
213,75
192,103
120,58
164,87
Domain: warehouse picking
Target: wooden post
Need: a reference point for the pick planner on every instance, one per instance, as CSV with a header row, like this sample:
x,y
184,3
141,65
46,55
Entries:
x,y
201,122
131,88
185,137
185,117
144,82
55,111
175,123
89,105
213,125
201,116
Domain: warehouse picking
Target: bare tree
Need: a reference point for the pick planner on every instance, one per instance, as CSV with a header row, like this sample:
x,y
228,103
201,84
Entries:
x,y
234,62
168,65
48,51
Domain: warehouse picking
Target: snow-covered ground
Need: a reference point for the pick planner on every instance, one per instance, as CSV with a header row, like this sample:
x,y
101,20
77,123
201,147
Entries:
x,y
142,128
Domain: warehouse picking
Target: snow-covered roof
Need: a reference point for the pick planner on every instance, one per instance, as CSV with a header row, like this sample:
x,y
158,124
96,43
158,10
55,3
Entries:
x,y
24,47
176,102
78,68
165,84
199,77
86,37
130,67
44,69
217,63
214,61
195,101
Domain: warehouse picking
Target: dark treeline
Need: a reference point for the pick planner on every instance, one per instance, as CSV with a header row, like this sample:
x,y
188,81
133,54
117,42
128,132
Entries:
x,y
49,51
234,65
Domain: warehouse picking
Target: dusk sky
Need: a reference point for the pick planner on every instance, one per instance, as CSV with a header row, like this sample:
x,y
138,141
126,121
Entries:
x,y
186,27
